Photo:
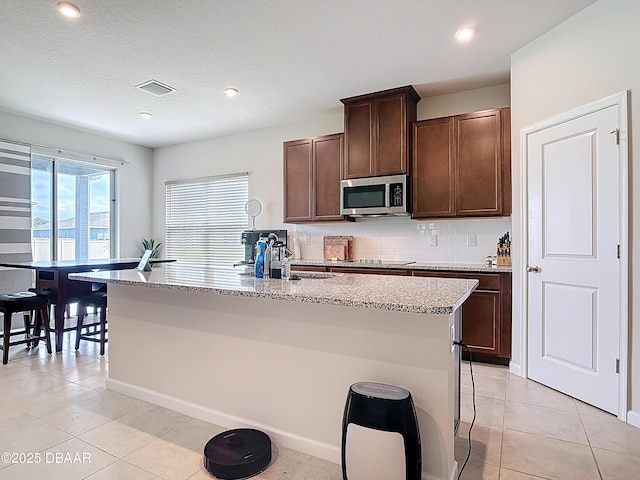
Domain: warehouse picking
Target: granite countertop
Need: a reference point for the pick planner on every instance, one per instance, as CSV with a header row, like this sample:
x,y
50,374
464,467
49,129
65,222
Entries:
x,y
435,266
406,294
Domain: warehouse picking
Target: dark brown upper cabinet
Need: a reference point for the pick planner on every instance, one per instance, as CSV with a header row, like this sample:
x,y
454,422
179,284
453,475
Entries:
x,y
312,168
432,172
461,165
377,127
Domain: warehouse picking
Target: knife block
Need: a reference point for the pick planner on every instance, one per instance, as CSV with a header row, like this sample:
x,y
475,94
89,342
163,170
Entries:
x,y
503,255
503,261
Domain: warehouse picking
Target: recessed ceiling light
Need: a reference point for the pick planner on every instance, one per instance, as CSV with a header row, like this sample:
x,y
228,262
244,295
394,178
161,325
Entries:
x,y
68,9
231,92
465,34
146,115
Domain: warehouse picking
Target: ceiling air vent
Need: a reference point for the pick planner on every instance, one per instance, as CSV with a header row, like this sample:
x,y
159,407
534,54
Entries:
x,y
156,88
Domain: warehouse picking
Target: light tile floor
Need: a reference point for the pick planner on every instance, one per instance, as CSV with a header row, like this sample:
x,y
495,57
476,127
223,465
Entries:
x,y
57,406
526,431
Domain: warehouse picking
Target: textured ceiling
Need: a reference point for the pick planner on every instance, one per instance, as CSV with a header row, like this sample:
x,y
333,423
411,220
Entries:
x,y
289,58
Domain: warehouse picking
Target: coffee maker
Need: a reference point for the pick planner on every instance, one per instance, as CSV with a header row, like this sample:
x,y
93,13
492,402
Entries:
x,y
249,238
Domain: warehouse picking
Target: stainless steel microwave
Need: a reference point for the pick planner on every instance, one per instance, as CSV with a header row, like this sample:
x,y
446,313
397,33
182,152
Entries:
x,y
375,196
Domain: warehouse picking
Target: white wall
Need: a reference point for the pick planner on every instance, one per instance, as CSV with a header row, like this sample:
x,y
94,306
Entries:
x,y
134,185
260,153
590,56
497,96
403,239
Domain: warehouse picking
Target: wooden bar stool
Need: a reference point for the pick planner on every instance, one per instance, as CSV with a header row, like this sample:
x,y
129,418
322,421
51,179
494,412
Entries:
x,y
11,303
97,300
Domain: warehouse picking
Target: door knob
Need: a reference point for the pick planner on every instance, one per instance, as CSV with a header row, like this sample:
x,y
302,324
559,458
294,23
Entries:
x,y
533,268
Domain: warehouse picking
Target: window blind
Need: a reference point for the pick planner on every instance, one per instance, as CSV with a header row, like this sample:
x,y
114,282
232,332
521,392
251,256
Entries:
x,y
205,218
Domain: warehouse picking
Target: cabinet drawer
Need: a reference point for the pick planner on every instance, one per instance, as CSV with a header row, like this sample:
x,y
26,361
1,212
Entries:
x,y
488,281
308,268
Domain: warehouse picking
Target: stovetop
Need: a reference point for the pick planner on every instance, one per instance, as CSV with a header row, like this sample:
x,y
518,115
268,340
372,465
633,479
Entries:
x,y
367,261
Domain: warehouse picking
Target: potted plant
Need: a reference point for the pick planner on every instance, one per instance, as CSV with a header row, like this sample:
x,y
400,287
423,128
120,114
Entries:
x,y
150,245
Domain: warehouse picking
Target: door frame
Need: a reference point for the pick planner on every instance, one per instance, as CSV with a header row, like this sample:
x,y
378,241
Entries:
x,y
620,100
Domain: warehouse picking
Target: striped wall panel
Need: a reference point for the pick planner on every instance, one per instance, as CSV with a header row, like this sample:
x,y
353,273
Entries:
x,y
15,214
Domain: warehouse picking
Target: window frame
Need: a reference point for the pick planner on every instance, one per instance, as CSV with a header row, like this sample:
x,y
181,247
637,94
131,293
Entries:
x,y
109,166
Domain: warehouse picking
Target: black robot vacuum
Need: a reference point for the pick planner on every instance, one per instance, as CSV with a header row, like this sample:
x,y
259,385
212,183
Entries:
x,y
239,453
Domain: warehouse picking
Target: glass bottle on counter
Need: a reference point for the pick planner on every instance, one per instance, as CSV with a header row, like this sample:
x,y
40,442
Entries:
x,y
286,268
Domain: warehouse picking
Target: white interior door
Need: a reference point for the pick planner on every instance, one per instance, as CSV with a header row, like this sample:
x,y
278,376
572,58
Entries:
x,y
574,270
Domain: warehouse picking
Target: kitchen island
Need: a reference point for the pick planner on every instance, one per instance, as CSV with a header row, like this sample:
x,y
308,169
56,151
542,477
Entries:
x,y
280,355
486,316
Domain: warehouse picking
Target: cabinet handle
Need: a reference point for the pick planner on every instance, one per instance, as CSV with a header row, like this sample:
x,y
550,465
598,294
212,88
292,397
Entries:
x,y
533,268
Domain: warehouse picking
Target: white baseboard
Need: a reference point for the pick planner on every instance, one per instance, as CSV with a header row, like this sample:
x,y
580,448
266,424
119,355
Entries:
x,y
633,418
454,474
515,368
280,437
286,439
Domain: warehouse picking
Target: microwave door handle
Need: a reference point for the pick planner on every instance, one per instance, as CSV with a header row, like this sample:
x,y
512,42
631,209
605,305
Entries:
x,y
387,195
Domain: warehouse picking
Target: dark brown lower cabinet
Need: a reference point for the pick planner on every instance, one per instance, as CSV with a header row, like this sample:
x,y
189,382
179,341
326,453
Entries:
x,y
486,315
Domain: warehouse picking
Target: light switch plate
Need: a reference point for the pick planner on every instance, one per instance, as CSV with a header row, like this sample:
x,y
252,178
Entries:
x,y
433,240
472,240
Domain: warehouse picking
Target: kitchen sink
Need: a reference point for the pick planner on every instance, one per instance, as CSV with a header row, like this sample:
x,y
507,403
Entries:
x,y
299,275
318,275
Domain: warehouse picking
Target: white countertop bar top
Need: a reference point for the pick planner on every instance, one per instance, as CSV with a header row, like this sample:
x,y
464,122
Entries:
x,y
391,264
427,295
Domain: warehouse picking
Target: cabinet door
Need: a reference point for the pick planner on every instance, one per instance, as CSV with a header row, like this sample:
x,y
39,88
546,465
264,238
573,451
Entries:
x,y
298,171
481,322
505,321
486,314
506,162
478,171
391,137
432,170
358,128
327,155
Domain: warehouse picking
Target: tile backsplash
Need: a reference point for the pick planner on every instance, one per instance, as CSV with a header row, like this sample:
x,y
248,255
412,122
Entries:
x,y
403,239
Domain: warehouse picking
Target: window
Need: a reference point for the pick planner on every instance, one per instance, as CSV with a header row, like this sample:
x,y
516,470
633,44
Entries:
x,y
77,198
205,219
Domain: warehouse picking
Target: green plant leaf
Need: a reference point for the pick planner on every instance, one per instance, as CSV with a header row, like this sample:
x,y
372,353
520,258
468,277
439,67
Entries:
x,y
150,244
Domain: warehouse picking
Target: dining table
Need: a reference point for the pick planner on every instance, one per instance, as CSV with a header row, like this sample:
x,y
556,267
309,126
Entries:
x,y
52,280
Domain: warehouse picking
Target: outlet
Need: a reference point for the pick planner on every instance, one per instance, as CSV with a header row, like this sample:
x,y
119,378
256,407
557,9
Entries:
x,y
305,239
472,240
453,337
433,241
